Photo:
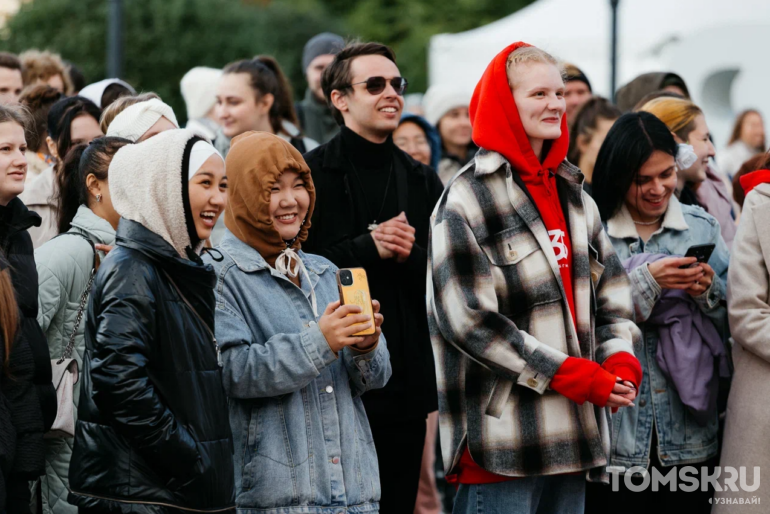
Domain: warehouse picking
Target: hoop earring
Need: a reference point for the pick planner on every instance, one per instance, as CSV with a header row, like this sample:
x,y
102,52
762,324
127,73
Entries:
x,y
98,198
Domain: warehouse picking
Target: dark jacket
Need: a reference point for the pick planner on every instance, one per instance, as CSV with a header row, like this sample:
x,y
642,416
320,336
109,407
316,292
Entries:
x,y
153,428
339,233
28,389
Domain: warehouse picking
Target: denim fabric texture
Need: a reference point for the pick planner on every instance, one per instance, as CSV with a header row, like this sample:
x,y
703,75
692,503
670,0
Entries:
x,y
556,494
302,438
681,439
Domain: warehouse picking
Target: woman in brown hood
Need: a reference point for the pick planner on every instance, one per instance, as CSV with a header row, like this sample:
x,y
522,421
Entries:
x,y
300,374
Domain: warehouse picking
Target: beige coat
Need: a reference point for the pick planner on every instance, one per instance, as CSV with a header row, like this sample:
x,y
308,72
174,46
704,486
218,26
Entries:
x,y
747,439
38,196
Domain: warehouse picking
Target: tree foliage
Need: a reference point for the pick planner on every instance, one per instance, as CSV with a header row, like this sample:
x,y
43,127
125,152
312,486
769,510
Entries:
x,y
165,38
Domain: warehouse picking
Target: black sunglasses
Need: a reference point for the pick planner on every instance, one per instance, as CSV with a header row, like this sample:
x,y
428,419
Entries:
x,y
376,85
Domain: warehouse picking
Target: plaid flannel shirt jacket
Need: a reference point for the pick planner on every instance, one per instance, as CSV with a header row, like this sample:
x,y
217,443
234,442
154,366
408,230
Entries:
x,y
501,327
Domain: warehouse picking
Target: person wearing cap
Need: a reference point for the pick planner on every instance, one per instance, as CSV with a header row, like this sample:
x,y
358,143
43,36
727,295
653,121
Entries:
x,y
106,91
292,363
199,90
153,432
315,118
141,121
577,90
446,108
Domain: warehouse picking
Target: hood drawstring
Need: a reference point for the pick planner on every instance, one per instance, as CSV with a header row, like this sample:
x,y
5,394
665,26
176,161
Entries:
x,y
283,265
211,252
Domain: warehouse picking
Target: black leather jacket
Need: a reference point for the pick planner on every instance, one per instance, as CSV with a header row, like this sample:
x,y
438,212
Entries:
x,y
153,433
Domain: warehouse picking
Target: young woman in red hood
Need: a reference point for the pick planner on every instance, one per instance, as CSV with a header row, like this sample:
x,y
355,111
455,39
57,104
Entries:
x,y
530,309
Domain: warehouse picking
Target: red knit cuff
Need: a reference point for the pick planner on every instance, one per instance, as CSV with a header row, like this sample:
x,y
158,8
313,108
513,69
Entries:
x,y
601,387
573,379
625,366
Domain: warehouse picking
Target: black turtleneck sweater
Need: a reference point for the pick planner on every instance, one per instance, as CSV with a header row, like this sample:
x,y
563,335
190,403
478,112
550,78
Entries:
x,y
372,167
350,175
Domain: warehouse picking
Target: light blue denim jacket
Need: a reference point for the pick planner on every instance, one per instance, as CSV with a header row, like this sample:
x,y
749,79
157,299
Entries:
x,y
681,440
302,439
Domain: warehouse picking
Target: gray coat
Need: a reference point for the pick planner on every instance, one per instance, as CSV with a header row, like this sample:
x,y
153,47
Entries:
x,y
748,302
63,268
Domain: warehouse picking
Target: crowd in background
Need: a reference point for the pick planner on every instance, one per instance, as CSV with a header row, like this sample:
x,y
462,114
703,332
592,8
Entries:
x,y
170,319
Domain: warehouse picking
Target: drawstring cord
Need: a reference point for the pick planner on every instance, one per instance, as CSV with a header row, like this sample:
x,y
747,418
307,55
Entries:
x,y
283,265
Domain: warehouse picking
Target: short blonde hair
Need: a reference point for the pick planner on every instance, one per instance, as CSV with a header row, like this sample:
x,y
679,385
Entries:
x,y
120,105
677,113
531,54
40,66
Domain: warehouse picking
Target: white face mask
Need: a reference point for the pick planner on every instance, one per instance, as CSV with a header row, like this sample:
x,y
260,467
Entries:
x,y
685,156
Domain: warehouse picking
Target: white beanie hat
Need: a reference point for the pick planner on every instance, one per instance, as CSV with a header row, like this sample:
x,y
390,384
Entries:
x,y
199,89
95,91
441,99
137,119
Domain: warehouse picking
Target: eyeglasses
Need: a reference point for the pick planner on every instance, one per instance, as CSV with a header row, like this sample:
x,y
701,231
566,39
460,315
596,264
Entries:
x,y
376,85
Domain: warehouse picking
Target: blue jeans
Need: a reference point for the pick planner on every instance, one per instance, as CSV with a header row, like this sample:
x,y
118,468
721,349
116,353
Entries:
x,y
559,494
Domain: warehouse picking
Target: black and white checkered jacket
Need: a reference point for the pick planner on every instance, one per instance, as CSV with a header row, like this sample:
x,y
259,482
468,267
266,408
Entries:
x,y
501,327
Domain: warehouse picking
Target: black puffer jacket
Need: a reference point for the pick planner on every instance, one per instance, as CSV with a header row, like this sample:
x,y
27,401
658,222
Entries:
x,y
153,432
28,389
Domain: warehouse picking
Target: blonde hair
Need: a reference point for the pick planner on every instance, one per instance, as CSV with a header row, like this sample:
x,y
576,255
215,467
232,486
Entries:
x,y
530,54
677,113
120,105
40,66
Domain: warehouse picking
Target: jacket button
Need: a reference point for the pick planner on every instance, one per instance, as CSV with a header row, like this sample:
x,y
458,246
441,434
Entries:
x,y
532,382
329,389
594,276
513,254
642,403
336,460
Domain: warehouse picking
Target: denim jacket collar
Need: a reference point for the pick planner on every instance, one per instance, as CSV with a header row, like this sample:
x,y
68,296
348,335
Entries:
x,y
622,225
249,260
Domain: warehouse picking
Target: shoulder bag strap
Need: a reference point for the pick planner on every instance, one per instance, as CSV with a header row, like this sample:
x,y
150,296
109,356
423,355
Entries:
x,y
67,353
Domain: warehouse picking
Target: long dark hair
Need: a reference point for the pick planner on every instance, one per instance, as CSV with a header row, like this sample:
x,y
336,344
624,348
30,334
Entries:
x,y
60,119
586,121
629,144
268,78
9,312
81,161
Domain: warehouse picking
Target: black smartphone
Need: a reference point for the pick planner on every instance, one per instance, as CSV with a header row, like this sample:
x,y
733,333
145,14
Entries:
x,y
700,252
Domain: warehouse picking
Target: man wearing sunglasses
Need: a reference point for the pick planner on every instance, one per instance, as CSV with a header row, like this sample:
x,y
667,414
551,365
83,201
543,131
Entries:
x,y
372,211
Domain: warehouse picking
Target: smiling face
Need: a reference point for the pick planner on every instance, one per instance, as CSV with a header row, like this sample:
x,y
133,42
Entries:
x,y
238,108
373,117
411,138
289,203
538,90
648,196
13,163
701,144
208,195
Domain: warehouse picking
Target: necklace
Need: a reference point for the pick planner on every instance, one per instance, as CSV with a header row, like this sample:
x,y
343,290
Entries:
x,y
647,223
374,224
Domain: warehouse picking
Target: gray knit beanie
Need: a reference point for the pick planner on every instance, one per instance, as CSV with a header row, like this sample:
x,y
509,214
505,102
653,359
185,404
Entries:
x,y
323,44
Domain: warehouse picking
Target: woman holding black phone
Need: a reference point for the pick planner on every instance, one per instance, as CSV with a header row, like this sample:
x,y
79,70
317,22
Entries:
x,y
679,303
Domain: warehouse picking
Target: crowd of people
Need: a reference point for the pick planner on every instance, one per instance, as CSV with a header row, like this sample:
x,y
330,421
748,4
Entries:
x,y
562,289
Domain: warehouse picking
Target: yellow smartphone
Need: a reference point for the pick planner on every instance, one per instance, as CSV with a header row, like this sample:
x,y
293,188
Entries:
x,y
354,290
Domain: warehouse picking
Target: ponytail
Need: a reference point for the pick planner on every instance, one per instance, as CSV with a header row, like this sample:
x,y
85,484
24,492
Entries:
x,y
81,161
70,185
283,106
268,78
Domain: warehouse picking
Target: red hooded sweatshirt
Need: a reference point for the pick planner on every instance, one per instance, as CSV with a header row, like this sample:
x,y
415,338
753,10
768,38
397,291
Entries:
x,y
751,180
497,127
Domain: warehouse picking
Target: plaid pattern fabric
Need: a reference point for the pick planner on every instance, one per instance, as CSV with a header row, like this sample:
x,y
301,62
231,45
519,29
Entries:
x,y
501,327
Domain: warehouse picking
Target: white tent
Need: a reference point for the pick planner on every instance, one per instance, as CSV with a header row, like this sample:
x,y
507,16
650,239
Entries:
x,y
717,46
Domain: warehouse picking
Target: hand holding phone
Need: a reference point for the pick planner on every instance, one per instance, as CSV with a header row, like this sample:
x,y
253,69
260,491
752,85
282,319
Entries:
x,y
702,253
353,286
